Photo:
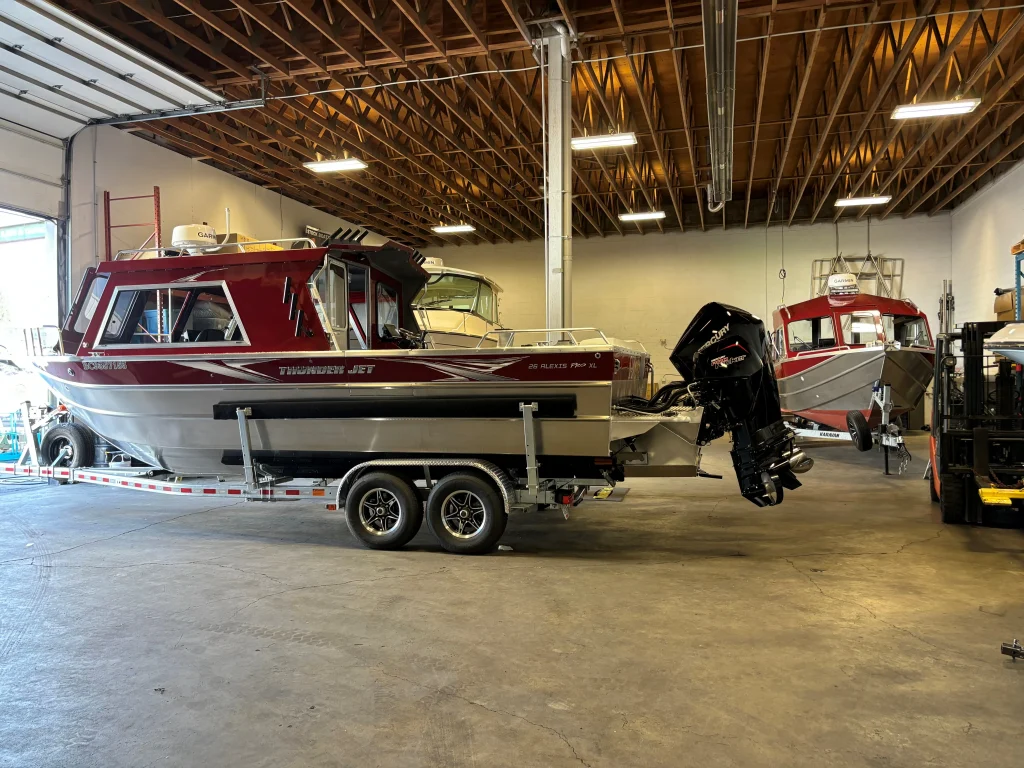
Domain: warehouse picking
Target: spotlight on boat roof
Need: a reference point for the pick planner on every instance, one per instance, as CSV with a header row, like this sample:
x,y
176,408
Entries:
x,y
453,229
849,202
604,140
340,164
935,109
642,216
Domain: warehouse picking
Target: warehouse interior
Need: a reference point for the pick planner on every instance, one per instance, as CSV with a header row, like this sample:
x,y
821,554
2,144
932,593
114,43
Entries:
x,y
631,190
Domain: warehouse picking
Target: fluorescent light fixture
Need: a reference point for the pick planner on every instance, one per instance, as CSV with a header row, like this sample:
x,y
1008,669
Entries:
x,y
935,109
453,229
849,202
605,140
341,164
642,216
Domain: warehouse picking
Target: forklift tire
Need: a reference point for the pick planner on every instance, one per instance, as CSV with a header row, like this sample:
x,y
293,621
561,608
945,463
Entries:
x,y
859,430
66,437
931,491
952,501
383,510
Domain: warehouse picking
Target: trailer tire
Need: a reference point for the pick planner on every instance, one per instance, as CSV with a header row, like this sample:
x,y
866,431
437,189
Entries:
x,y
466,513
68,436
383,510
952,501
860,432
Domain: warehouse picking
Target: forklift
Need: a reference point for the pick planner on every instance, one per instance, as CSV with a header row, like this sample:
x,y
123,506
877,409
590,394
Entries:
x,y
977,440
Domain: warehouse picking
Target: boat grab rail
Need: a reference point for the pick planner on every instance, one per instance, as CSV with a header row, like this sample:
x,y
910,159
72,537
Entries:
x,y
510,334
203,248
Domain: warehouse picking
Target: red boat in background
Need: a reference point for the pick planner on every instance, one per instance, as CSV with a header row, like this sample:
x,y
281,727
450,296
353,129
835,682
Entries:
x,y
836,351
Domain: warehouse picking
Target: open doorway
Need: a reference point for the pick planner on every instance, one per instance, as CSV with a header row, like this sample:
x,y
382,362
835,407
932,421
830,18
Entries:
x,y
28,303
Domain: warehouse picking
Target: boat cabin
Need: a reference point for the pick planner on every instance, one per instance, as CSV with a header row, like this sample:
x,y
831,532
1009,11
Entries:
x,y
848,321
347,296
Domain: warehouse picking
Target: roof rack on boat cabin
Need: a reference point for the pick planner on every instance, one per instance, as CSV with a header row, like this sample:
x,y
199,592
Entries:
x,y
306,242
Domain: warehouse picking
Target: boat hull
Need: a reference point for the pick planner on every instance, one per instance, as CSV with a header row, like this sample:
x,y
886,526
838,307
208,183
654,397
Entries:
x,y
1008,342
177,413
823,388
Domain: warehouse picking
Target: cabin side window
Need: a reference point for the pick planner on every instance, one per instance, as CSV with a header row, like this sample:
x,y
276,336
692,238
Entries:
x,y
807,335
92,301
171,315
860,327
387,307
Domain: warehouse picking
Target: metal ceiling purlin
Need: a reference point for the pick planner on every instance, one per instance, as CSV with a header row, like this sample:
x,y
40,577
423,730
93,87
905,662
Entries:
x,y
452,132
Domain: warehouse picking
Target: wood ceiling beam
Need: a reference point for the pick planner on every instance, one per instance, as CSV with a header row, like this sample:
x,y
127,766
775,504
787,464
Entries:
x,y
766,47
973,178
808,70
258,156
868,39
305,9
374,130
370,25
883,91
682,77
333,150
945,57
284,35
596,87
1006,87
419,224
518,20
178,31
976,148
650,106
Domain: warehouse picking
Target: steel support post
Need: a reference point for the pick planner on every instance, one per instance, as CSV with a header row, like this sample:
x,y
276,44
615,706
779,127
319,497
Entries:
x,y
558,195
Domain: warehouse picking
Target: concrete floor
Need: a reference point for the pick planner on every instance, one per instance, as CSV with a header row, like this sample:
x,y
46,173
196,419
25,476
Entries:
x,y
682,626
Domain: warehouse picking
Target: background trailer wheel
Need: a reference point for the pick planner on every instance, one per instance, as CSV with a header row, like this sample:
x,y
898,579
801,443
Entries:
x,y
383,510
860,432
69,445
466,513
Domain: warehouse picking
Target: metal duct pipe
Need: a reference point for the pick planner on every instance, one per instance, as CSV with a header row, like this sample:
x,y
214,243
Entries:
x,y
719,21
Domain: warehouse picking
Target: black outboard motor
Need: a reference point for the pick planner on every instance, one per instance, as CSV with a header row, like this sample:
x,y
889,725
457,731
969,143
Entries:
x,y
724,357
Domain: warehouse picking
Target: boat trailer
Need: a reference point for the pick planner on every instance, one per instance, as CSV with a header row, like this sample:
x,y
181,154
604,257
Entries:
x,y
887,435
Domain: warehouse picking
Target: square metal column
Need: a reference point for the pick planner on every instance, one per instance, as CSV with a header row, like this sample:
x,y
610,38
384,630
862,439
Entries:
x,y
558,195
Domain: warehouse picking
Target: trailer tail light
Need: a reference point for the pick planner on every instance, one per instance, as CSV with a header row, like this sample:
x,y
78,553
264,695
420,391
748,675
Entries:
x,y
332,507
564,497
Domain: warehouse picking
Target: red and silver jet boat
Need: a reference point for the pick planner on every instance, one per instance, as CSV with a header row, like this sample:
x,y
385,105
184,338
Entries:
x,y
832,352
322,346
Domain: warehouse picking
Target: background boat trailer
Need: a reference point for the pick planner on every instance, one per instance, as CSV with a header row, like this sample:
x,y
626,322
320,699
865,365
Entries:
x,y
888,435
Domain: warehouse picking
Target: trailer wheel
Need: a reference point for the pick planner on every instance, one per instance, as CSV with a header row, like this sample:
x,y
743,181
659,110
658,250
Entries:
x,y
952,503
383,511
71,440
466,514
859,430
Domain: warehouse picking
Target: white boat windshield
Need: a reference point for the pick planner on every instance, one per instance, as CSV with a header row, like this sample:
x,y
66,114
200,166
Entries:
x,y
460,293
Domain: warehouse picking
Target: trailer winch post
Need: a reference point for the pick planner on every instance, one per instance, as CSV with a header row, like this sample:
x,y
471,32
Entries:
x,y
243,434
30,437
532,475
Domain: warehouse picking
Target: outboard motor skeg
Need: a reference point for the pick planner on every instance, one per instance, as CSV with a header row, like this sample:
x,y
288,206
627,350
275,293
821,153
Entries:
x,y
724,355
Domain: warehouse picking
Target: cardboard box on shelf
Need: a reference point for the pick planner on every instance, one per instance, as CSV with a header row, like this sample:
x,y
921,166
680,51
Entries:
x,y
1005,303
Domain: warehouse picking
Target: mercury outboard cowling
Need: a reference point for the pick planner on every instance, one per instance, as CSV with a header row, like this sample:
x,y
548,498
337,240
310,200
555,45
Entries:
x,y
724,357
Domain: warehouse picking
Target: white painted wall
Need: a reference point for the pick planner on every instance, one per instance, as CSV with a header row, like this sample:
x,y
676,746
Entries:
x,y
984,229
109,159
649,287
31,165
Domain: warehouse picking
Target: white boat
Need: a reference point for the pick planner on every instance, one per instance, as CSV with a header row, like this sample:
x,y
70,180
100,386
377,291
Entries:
x,y
457,309
1008,342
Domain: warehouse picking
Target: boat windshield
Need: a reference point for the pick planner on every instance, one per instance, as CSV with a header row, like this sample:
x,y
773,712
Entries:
x,y
862,327
907,330
460,293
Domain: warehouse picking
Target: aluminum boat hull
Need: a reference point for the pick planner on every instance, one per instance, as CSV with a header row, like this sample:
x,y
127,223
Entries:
x,y
161,411
824,387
